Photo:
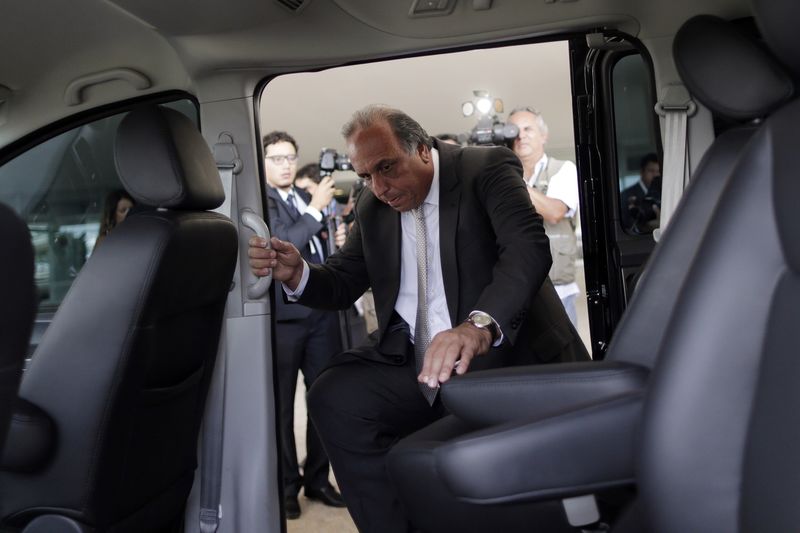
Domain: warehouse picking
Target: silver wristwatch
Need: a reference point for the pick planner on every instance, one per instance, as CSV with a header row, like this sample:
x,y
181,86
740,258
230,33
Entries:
x,y
482,320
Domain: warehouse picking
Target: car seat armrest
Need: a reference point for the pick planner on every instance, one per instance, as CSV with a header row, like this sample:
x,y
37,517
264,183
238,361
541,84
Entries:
x,y
31,439
56,524
491,397
571,454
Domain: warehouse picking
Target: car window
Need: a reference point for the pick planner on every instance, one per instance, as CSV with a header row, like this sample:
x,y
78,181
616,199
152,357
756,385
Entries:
x,y
638,162
61,188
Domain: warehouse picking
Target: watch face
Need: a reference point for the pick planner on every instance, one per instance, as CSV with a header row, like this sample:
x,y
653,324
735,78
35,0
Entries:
x,y
481,320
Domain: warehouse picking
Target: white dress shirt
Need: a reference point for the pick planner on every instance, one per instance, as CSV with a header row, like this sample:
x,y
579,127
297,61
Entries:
x,y
406,304
563,186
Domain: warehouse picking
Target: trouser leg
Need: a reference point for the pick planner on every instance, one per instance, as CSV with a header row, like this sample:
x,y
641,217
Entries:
x,y
569,307
322,343
361,409
289,339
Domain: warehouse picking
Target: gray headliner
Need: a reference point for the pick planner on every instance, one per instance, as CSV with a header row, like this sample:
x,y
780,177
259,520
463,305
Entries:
x,y
221,50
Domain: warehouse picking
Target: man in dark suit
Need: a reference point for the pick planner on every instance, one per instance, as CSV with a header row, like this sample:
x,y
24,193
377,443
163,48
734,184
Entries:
x,y
444,233
641,202
305,338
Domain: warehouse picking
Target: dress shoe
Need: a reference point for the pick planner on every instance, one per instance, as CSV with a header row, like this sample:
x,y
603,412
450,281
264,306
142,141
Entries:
x,y
291,507
327,495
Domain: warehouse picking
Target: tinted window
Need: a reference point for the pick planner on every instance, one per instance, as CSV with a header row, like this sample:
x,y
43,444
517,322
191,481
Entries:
x,y
60,188
638,164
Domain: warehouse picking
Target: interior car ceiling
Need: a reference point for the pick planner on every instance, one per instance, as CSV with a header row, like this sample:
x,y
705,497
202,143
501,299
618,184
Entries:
x,y
224,50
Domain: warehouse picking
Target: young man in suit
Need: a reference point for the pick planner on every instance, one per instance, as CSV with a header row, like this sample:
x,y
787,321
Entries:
x,y
458,263
305,338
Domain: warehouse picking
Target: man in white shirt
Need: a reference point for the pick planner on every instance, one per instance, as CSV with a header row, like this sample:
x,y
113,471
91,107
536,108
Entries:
x,y
553,188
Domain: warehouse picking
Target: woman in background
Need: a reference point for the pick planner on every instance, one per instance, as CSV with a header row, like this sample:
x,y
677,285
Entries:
x,y
117,205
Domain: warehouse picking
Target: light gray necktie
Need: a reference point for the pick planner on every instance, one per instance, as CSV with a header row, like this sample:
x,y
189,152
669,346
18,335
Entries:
x,y
422,332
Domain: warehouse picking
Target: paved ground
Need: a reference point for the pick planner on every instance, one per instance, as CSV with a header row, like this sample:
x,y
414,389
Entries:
x,y
317,518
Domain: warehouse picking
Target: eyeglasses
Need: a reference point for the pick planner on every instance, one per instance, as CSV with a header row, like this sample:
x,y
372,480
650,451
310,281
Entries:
x,y
281,159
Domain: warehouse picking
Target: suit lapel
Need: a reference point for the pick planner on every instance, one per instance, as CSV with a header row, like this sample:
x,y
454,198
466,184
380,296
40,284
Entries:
x,y
449,201
391,232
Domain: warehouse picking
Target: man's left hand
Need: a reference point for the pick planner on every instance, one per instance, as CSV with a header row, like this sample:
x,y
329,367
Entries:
x,y
453,349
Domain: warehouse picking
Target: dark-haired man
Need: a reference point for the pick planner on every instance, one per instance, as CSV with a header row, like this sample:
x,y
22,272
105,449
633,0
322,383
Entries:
x,y
308,177
457,261
641,202
305,338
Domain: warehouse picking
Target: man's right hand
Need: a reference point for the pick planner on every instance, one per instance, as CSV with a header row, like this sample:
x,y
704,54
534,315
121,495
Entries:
x,y
283,260
323,194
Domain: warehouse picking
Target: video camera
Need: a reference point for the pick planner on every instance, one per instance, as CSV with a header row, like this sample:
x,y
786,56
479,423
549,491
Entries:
x,y
489,131
645,212
330,160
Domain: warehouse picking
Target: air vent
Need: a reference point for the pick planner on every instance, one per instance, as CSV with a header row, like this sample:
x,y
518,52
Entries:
x,y
292,5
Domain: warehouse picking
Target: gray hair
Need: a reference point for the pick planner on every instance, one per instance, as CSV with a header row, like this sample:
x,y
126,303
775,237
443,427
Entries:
x,y
539,120
407,130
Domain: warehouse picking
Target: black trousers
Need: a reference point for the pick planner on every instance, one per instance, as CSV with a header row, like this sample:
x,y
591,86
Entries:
x,y
361,409
305,345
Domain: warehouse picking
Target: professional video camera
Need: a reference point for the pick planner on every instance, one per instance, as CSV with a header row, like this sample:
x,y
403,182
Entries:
x,y
489,130
330,160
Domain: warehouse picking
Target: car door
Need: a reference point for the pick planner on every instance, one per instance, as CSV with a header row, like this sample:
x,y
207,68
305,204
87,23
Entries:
x,y
615,128
237,478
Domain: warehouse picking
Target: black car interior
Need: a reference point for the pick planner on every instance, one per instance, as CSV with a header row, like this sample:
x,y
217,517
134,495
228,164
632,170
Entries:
x,y
17,310
116,389
690,413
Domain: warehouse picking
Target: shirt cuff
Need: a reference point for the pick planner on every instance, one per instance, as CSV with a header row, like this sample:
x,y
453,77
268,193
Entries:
x,y
314,212
294,295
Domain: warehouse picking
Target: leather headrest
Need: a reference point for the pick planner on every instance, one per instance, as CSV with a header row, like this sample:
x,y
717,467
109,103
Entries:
x,y
163,161
727,71
777,20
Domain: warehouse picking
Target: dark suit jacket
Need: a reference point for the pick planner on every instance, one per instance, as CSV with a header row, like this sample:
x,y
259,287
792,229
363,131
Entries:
x,y
495,257
297,230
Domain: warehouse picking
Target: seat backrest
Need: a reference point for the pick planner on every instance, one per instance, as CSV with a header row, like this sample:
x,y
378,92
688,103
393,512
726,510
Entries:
x,y
719,445
713,58
17,308
124,368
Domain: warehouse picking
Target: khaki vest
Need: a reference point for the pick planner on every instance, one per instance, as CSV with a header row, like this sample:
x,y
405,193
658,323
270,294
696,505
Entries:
x,y
563,244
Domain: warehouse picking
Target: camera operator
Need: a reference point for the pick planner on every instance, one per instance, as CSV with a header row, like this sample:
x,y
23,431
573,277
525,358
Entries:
x,y
553,188
359,320
305,338
641,202
308,177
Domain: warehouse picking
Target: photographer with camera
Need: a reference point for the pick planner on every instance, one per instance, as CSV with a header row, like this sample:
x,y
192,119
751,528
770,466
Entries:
x,y
553,188
641,202
308,177
305,338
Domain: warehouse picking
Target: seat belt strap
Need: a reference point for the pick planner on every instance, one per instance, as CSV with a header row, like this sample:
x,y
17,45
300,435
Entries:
x,y
228,163
212,447
676,106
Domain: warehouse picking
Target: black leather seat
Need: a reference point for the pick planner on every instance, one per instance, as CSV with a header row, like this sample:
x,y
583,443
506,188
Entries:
x,y
521,439
17,309
719,442
121,375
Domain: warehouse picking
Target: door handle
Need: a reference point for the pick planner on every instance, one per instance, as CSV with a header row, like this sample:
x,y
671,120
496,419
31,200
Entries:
x,y
259,288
